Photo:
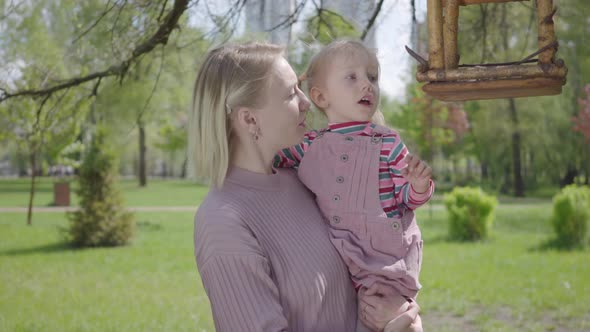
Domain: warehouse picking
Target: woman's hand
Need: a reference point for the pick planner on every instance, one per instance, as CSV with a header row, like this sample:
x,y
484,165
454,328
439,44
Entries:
x,y
379,307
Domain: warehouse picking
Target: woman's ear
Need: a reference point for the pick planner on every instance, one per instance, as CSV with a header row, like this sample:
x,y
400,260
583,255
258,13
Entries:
x,y
246,119
318,97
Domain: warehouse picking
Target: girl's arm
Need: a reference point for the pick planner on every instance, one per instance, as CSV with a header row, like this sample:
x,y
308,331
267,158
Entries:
x,y
405,194
291,157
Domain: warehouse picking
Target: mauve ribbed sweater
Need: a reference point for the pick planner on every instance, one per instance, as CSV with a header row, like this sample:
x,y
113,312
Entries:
x,y
265,258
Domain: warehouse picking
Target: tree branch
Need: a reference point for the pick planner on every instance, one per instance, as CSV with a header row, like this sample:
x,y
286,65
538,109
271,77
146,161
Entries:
x,y
11,8
104,13
149,99
372,20
160,37
162,10
290,19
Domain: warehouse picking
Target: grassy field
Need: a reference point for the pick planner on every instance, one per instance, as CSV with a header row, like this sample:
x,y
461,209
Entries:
x,y
512,282
152,285
15,193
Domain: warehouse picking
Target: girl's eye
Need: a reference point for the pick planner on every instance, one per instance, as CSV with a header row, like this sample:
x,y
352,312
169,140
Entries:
x,y
373,78
351,77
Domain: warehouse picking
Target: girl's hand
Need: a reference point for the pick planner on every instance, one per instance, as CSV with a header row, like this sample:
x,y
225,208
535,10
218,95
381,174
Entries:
x,y
379,307
417,172
408,321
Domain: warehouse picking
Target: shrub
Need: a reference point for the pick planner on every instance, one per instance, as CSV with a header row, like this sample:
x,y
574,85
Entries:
x,y
471,213
101,219
571,212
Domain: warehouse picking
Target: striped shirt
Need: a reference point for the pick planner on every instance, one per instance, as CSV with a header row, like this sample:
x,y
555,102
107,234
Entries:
x,y
395,192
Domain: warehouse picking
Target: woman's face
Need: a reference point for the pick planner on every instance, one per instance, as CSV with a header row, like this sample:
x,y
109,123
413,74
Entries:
x,y
282,118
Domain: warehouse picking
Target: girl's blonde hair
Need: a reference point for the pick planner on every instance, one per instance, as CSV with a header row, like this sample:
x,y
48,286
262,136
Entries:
x,y
315,73
232,76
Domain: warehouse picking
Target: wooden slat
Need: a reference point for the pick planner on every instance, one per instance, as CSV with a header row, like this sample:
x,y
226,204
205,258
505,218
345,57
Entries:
x,y
546,30
463,91
488,73
481,2
435,37
450,32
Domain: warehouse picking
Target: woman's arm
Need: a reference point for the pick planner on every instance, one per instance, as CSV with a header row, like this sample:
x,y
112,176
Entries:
x,y
236,275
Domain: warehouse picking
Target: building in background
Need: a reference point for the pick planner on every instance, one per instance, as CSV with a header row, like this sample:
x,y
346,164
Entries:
x,y
358,13
268,17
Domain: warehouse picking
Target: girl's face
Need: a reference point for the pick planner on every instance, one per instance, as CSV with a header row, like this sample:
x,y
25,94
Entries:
x,y
282,118
351,87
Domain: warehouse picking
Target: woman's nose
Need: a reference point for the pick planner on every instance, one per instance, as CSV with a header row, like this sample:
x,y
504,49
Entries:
x,y
304,103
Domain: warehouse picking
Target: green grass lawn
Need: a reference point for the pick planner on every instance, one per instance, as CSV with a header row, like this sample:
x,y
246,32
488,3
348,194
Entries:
x,y
508,283
15,192
152,285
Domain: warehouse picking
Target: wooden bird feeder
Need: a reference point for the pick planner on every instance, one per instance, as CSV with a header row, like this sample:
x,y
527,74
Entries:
x,y
448,81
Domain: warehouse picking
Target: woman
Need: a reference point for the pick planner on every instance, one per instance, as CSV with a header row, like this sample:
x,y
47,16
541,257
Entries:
x,y
261,246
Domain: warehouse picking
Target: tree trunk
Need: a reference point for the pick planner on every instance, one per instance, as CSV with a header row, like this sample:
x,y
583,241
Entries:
x,y
172,163
516,147
484,171
468,165
429,153
184,165
569,176
33,160
142,155
505,189
455,172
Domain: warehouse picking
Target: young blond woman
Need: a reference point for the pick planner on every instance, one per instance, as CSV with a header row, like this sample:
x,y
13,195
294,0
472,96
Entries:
x,y
261,246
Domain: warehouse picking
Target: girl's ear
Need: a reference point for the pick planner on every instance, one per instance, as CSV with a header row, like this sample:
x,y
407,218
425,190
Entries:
x,y
319,97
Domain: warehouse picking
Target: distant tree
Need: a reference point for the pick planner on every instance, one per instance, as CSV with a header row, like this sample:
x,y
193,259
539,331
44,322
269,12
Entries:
x,y
582,120
102,219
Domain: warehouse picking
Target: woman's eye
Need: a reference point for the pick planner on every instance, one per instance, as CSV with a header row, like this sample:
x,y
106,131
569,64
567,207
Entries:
x,y
351,77
373,78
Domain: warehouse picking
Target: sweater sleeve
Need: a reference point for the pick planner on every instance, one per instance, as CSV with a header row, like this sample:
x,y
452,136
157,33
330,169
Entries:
x,y
236,275
291,157
404,192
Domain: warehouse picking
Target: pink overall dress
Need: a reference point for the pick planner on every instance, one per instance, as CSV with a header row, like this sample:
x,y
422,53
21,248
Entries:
x,y
343,172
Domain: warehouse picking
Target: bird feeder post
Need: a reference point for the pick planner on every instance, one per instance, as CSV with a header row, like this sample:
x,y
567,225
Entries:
x,y
450,33
545,12
435,34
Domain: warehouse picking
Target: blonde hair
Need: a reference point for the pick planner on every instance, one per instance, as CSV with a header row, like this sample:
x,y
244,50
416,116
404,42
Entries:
x,y
316,68
231,76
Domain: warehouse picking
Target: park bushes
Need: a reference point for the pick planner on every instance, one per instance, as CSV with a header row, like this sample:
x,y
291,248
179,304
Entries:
x,y
571,214
102,219
471,213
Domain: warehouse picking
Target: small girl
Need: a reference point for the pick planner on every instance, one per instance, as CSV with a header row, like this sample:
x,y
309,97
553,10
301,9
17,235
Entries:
x,y
366,183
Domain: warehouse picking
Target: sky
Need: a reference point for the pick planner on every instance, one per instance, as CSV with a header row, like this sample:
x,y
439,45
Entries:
x,y
393,33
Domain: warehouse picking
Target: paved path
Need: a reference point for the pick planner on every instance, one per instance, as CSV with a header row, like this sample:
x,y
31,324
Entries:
x,y
61,209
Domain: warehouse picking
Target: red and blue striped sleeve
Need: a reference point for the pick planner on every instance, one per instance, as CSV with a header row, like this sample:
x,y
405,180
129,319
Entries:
x,y
291,157
404,193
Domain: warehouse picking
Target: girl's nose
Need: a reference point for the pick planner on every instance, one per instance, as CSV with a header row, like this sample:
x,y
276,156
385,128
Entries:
x,y
368,86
